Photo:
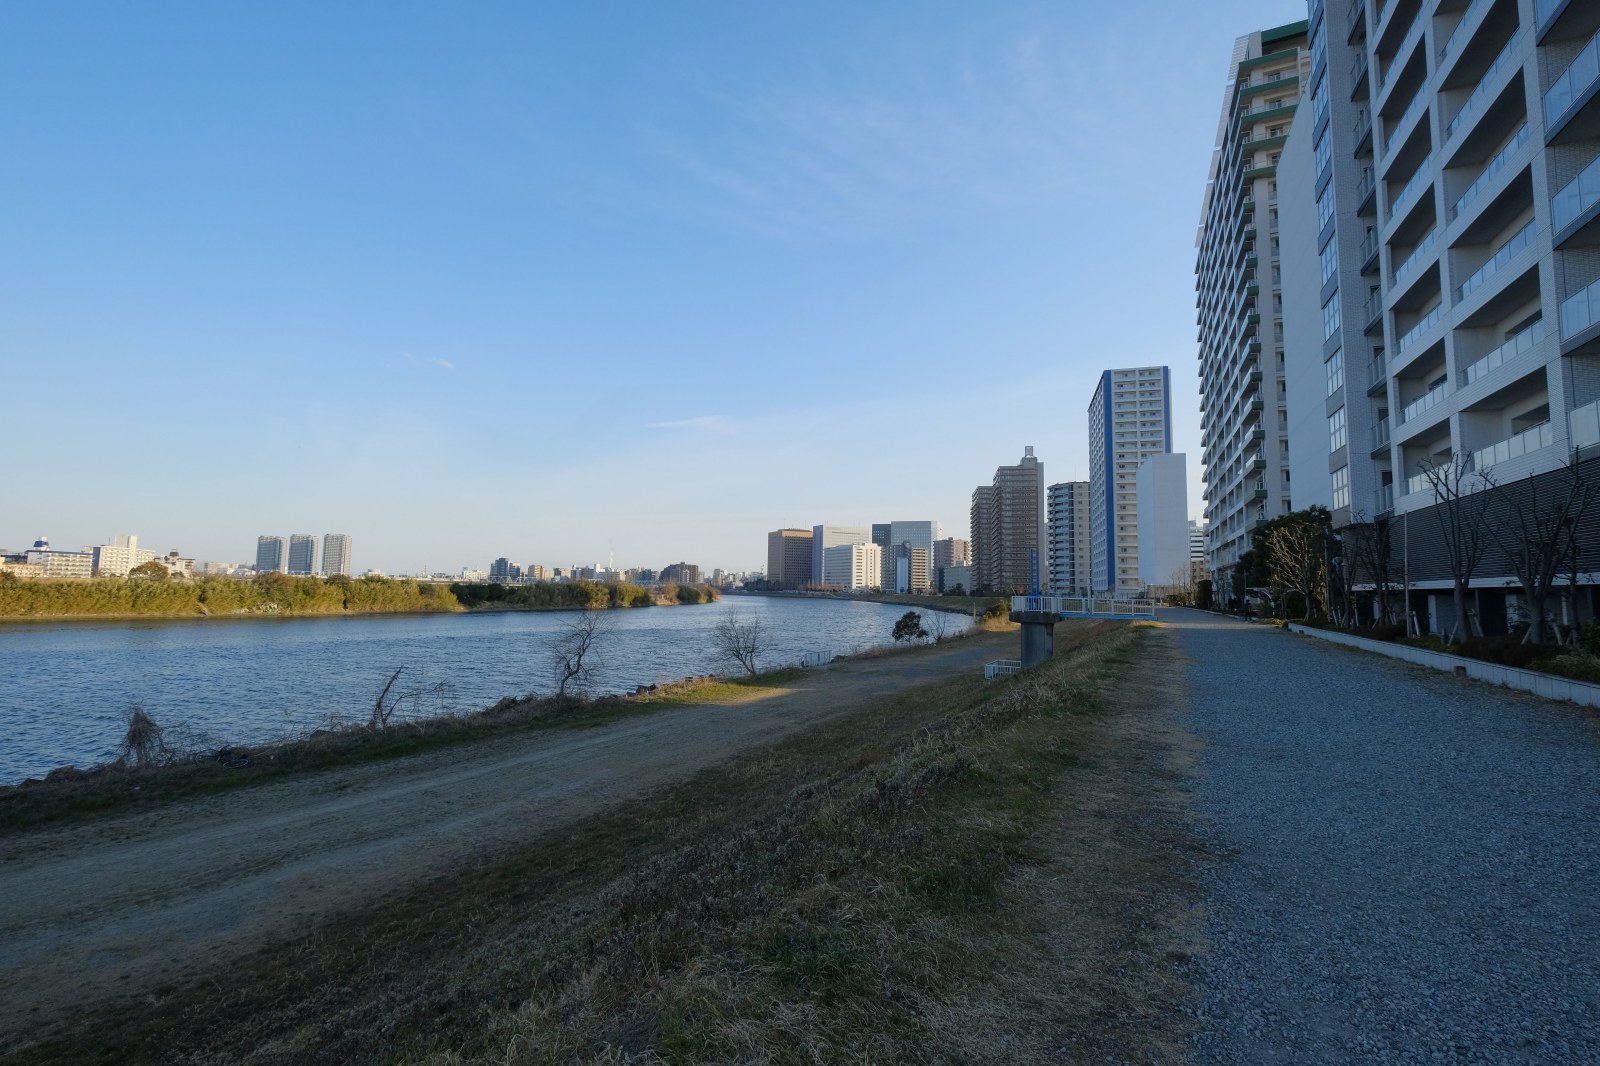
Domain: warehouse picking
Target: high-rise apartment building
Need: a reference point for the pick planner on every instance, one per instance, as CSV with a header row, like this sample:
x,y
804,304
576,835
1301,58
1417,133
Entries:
x,y
272,554
952,551
824,537
119,555
1243,428
1441,194
302,553
335,554
1008,529
789,558
1068,527
1130,418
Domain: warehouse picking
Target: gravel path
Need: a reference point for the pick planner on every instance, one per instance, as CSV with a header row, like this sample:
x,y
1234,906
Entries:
x,y
1411,862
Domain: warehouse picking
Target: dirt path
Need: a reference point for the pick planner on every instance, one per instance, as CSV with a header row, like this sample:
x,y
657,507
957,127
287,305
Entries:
x,y
120,905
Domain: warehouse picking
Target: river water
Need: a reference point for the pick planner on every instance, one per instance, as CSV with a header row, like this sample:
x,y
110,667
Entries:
x,y
65,689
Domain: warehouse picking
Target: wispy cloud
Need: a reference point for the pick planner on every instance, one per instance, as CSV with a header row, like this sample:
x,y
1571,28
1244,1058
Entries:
x,y
447,364
704,423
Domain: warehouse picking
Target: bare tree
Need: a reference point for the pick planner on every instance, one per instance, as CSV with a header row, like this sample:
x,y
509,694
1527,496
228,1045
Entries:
x,y
741,638
390,699
144,745
1366,555
1538,532
1297,554
938,626
1463,514
571,651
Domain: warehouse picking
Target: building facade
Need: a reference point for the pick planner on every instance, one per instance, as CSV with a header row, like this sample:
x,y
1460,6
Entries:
x,y
1244,451
302,553
1451,196
336,554
272,554
1130,419
1068,533
1008,529
1162,487
789,558
119,555
852,565
824,537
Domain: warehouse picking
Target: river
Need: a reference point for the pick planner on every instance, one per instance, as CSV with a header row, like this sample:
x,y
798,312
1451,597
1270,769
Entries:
x,y
65,689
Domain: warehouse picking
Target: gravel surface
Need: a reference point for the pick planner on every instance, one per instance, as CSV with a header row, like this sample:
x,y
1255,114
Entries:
x,y
1410,869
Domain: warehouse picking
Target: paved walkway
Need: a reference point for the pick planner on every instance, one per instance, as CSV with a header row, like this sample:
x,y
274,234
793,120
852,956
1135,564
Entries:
x,y
1411,862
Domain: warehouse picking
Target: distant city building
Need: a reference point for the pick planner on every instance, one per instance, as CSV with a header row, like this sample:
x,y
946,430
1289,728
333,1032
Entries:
x,y
789,558
119,555
952,551
335,554
912,570
176,565
504,571
272,554
1161,485
1130,418
880,534
857,565
52,563
1069,538
302,553
955,577
824,537
534,572
681,574
1197,548
468,573
1008,529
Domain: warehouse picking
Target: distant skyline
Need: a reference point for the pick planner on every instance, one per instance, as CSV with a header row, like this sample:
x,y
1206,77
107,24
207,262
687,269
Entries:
x,y
551,284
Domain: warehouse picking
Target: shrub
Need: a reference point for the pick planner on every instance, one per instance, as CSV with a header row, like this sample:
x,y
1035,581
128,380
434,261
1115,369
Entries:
x,y
1577,667
1388,631
1589,636
996,610
1505,650
1427,642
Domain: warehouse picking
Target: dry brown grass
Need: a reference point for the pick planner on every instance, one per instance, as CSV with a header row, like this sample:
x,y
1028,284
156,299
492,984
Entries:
x,y
965,872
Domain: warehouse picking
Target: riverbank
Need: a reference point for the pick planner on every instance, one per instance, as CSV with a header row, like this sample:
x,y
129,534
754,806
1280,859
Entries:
x,y
263,596
915,860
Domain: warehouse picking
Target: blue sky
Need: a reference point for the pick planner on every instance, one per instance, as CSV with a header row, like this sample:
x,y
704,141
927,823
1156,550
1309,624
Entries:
x,y
553,281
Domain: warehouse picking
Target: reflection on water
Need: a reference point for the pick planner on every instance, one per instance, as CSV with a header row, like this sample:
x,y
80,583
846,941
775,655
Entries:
x,y
65,689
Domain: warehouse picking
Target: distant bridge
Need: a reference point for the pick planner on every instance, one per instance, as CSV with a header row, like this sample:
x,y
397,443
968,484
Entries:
x,y
1083,607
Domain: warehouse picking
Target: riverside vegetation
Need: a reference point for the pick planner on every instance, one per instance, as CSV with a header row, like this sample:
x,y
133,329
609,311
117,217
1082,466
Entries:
x,y
964,870
283,595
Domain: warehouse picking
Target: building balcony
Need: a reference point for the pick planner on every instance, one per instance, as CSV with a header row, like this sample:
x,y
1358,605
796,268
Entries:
x,y
1529,440
1380,434
1356,20
1512,348
1418,105
1506,252
1363,128
1460,34
1423,178
1576,197
1415,333
1580,311
1366,186
1585,425
1384,500
1250,261
1574,89
1377,372
1494,167
1414,261
1358,73
1422,404
1487,84
1372,311
1418,483
1369,251
1247,207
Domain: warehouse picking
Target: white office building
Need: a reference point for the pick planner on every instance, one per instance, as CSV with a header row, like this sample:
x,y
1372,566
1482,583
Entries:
x,y
824,537
335,554
119,555
855,565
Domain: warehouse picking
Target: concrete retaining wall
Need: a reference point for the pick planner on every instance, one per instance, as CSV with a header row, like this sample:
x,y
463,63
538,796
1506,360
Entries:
x,y
1546,685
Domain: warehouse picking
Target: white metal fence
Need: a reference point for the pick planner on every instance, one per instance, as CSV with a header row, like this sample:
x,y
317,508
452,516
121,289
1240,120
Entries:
x,y
1085,606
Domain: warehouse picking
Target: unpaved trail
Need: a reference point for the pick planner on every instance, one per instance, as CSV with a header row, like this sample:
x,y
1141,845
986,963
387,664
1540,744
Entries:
x,y
121,905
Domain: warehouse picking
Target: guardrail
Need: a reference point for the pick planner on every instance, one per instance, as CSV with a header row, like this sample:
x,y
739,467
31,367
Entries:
x,y
1100,606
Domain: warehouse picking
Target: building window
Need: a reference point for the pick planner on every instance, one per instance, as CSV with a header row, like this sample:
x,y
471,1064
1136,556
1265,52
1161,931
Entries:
x,y
1336,430
1341,487
1324,152
1330,316
1319,100
1325,206
1319,46
1336,372
1330,259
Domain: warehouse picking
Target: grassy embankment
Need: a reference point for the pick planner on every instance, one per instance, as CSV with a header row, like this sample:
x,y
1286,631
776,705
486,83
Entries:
x,y
577,595
265,595
967,871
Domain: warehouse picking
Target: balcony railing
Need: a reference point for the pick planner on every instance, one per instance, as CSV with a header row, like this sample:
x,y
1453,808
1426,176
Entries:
x,y
1418,483
1577,197
1358,69
1385,498
1405,48
1358,11
1371,309
1405,120
1365,185
1461,28
1494,167
1426,402
1363,125
1416,258
1378,371
1504,255
1369,246
1512,348
1380,434
1543,8
1585,425
1422,177
1580,311
1529,440
1485,84
1574,82
1415,333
